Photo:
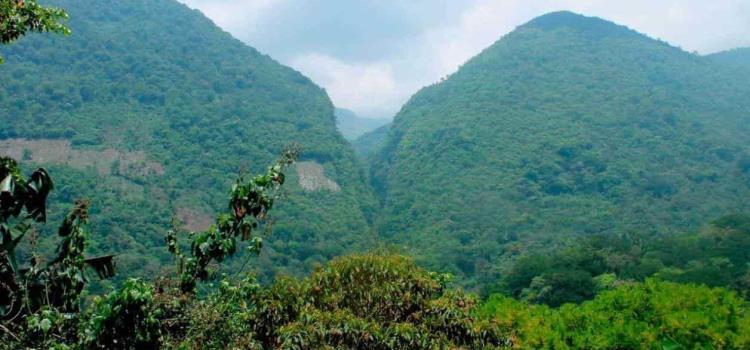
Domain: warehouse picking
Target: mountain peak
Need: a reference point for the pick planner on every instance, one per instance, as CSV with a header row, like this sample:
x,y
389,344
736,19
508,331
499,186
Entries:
x,y
559,17
581,23
565,123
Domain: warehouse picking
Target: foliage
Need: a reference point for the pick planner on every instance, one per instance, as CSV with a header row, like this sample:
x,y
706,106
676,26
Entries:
x,y
648,315
19,195
718,256
124,319
58,284
17,17
128,318
370,301
567,126
383,301
249,204
49,329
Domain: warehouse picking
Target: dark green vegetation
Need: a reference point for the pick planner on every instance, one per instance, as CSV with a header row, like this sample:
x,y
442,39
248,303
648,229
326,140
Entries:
x,y
25,288
352,126
148,109
567,126
716,256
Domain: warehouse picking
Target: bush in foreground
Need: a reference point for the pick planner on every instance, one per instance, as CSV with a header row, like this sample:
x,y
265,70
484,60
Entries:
x,y
369,301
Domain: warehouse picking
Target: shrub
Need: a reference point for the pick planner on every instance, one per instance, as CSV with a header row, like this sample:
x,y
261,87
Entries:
x,y
124,319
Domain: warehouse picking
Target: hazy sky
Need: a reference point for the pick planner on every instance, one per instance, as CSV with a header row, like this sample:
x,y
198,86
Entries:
x,y
372,55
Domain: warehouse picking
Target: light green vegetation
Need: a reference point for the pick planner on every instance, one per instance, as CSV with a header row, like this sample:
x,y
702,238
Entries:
x,y
650,315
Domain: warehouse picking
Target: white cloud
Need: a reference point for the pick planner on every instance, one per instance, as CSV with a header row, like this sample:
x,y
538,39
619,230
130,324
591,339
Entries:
x,y
368,88
234,16
377,85
480,26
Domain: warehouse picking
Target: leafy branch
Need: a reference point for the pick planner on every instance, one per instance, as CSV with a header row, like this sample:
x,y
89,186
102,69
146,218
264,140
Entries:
x,y
249,204
59,283
18,17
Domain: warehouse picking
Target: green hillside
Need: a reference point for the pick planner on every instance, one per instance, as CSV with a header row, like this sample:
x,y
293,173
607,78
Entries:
x,y
369,143
148,109
737,58
569,125
353,126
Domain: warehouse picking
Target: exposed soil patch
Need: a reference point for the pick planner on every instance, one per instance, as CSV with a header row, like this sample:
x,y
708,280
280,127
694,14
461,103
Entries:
x,y
312,177
107,162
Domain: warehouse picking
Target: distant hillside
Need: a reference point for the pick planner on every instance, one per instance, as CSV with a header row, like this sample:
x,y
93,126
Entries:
x,y
737,58
352,126
568,125
150,110
369,143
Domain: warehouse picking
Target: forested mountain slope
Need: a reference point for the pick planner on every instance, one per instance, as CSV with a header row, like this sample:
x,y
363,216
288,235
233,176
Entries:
x,y
568,125
150,110
737,58
370,143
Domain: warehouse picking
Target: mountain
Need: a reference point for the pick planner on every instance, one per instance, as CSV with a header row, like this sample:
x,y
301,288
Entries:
x,y
569,125
737,58
353,126
371,141
150,110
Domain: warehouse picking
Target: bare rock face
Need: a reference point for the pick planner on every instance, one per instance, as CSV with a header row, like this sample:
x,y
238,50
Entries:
x,y
60,152
312,178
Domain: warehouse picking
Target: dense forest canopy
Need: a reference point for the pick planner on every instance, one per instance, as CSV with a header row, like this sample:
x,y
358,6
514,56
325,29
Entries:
x,y
737,58
568,125
716,256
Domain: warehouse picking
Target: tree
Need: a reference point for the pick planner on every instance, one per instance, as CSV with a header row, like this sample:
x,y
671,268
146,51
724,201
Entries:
x,y
365,301
18,17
